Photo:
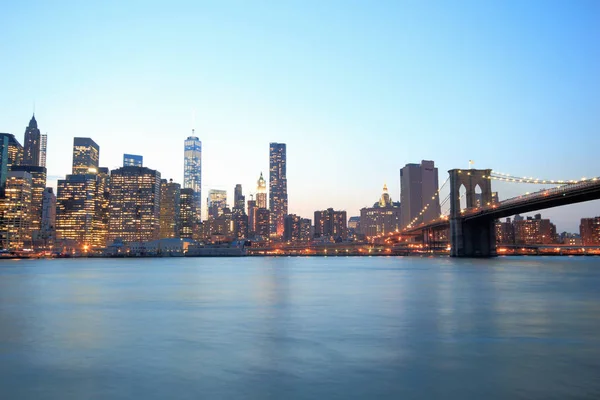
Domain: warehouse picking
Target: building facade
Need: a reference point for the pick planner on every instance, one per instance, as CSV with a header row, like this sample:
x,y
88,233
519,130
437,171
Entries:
x,y
76,210
278,198
32,144
38,185
134,204
86,156
505,232
261,192
192,171
418,188
331,224
534,231
262,223
589,230
296,228
133,160
48,226
170,207
382,218
187,214
217,201
15,211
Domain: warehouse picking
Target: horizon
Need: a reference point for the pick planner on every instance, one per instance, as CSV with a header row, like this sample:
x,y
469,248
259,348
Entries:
x,y
355,91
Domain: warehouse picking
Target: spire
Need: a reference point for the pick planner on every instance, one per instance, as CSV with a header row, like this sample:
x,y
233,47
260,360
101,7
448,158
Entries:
x,y
33,122
385,189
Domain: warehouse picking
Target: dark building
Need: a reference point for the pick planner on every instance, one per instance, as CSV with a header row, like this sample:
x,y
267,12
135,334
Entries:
x,y
505,233
239,199
240,222
296,228
589,230
331,224
262,222
187,214
251,217
418,188
86,156
170,209
278,198
32,144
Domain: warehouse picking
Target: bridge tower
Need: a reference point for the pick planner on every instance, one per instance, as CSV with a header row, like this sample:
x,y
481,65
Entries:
x,y
471,237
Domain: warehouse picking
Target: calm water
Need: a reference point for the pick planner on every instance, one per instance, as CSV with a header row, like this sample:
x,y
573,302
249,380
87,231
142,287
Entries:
x,y
300,328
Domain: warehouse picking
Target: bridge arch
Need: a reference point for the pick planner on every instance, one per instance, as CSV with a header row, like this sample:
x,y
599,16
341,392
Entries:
x,y
470,179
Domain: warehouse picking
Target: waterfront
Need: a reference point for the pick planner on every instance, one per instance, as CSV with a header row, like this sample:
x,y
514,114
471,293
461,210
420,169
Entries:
x,y
300,328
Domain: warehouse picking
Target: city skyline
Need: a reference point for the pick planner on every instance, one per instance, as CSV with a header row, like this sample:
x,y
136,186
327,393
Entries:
x,y
364,88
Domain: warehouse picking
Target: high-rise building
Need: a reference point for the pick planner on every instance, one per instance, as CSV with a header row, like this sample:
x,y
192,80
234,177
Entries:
x,y
261,192
187,214
3,158
38,184
15,211
132,160
331,224
278,198
134,204
76,209
418,188
48,227
32,144
217,201
86,155
239,199
382,218
534,231
170,208
296,228
263,223
251,217
240,225
505,233
43,149
192,170
589,229
102,198
14,149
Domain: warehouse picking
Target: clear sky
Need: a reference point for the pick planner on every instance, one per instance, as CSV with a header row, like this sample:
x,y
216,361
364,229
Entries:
x,y
356,89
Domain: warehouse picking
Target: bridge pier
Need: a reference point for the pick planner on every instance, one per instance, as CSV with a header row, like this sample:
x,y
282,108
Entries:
x,y
473,237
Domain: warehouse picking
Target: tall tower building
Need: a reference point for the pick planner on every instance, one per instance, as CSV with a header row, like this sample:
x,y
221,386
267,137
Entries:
x,y
32,144
76,209
251,217
170,197
38,184
134,204
278,199
217,201
15,209
239,199
86,155
261,192
192,170
187,214
43,148
47,229
15,150
418,184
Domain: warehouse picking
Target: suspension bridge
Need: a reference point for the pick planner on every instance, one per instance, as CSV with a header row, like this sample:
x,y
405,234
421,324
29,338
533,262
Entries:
x,y
471,229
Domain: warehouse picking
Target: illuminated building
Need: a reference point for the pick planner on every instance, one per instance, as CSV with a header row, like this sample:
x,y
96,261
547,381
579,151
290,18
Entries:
x,y
187,214
102,198
589,230
263,223
43,149
251,217
48,226
261,192
505,233
354,223
418,184
534,231
222,225
38,180
170,197
296,228
217,201
76,208
15,211
32,144
134,204
278,198
240,225
14,150
331,224
132,160
382,218
86,154
192,171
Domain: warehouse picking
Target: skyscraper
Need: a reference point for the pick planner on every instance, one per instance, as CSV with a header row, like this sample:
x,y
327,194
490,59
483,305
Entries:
x,y
86,155
278,199
43,148
38,184
217,201
330,223
32,144
251,217
170,197
187,214
418,184
48,226
261,192
3,158
15,209
192,170
76,209
134,204
132,160
239,199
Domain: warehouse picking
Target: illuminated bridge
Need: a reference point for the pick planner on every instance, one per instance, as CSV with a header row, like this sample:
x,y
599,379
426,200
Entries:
x,y
472,229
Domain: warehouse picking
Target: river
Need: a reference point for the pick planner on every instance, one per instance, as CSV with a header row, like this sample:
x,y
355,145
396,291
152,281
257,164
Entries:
x,y
300,328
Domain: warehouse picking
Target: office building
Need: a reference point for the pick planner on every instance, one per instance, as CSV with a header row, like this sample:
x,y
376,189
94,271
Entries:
x,y
76,209
32,144
86,155
278,198
239,199
187,214
589,230
15,211
38,181
170,196
296,228
192,171
14,150
331,224
240,225
382,218
534,231
262,222
217,201
134,204
132,160
418,188
505,233
48,226
43,149
3,158
251,217
261,192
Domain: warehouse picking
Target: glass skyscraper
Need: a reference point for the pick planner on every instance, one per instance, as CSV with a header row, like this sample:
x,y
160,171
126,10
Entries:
x,y
192,170
278,198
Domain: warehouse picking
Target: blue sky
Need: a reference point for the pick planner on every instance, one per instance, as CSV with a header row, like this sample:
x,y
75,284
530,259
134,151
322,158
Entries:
x,y
356,89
